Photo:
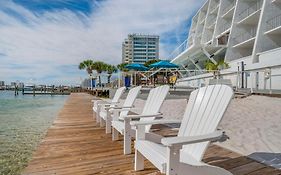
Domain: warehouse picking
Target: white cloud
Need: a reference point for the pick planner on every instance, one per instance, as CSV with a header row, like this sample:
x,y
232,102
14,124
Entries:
x,y
64,37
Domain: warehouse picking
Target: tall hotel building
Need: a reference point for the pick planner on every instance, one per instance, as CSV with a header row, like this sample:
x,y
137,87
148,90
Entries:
x,y
140,48
244,33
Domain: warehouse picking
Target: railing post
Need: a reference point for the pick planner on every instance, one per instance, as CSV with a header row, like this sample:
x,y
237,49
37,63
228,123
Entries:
x,y
252,81
270,85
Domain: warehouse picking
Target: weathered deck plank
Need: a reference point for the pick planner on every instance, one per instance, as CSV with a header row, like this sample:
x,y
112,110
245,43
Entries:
x,y
76,145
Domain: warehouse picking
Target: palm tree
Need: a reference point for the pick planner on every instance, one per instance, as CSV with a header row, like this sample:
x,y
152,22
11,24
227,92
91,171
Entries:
x,y
88,65
110,70
99,66
215,68
122,67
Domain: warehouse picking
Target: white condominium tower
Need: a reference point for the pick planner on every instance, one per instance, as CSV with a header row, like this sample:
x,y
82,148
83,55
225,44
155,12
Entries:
x,y
139,48
244,33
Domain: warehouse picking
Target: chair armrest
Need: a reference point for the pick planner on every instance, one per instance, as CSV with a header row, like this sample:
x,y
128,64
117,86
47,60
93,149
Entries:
x,y
154,122
118,107
180,141
120,110
122,107
104,104
96,100
141,116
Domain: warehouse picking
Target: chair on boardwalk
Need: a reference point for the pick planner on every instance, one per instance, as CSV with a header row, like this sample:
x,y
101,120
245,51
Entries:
x,y
106,114
99,105
121,123
183,154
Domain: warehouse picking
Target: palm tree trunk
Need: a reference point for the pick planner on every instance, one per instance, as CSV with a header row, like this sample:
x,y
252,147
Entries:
x,y
108,79
99,81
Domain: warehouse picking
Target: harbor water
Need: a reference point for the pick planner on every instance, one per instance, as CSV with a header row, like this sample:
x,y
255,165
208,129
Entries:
x,y
24,121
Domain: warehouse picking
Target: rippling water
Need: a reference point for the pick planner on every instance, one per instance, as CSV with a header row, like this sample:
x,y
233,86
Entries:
x,y
24,120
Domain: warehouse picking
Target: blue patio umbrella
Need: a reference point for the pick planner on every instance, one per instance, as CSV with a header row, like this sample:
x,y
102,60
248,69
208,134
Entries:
x,y
163,64
137,67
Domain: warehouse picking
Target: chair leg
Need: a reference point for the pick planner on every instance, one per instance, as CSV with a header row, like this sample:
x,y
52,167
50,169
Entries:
x,y
173,161
102,123
107,126
127,143
108,122
94,116
139,161
115,134
97,116
127,137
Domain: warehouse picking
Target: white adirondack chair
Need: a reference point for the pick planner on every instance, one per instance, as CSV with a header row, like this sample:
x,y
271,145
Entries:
x,y
98,105
182,155
121,123
105,115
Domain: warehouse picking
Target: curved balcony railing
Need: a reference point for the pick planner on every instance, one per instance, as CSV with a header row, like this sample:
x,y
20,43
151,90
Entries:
x,y
181,48
274,22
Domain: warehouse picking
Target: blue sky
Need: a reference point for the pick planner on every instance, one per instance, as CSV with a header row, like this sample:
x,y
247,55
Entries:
x,y
43,41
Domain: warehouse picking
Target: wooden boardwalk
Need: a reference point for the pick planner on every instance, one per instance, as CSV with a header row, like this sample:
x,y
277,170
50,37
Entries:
x,y
76,145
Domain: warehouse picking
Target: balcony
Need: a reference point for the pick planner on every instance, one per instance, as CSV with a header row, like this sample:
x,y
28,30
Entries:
x,y
228,10
208,38
274,25
214,9
211,20
245,39
202,22
202,17
276,1
225,27
250,10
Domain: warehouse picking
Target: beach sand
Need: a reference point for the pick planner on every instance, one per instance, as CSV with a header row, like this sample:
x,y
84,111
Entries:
x,y
253,125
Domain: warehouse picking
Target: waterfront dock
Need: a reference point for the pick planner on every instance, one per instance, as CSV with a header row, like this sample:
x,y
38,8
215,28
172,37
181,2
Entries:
x,y
75,144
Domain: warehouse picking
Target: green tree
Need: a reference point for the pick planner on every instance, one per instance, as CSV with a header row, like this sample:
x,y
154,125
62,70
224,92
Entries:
x,y
88,65
149,62
215,68
122,67
100,67
110,70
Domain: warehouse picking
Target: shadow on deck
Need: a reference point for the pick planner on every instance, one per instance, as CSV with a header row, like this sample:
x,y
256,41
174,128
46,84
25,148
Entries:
x,y
74,144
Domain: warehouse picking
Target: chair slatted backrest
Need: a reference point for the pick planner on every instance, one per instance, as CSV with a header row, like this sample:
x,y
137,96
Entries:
x,y
131,97
153,103
204,111
118,94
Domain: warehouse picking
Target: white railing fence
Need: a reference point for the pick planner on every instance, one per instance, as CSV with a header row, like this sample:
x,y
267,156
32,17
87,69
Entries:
x,y
274,22
261,79
225,26
253,7
181,48
228,7
244,36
